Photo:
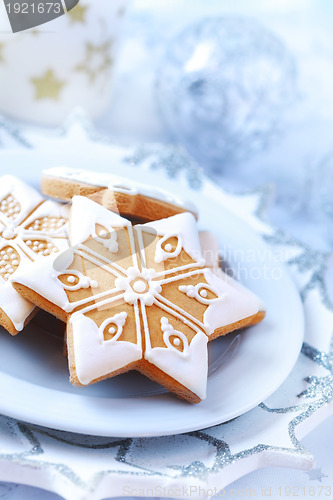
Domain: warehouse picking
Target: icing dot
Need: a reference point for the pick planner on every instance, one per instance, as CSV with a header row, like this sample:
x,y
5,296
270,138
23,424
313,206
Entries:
x,y
71,279
3,252
112,330
168,247
176,341
5,257
10,250
103,233
139,286
8,234
203,293
15,263
46,252
29,243
41,246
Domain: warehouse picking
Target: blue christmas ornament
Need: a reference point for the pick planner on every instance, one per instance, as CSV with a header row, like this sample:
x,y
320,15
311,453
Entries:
x,y
222,86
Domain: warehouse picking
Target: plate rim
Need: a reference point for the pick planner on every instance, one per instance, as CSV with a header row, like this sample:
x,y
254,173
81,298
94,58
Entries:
x,y
214,421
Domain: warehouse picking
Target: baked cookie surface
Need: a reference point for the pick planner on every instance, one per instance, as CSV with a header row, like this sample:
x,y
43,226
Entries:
x,y
121,195
137,297
30,228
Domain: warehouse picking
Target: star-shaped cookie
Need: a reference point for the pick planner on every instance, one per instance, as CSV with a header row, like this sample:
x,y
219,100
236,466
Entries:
x,y
30,228
137,297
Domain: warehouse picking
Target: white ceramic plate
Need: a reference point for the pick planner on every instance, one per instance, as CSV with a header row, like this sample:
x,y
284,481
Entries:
x,y
245,368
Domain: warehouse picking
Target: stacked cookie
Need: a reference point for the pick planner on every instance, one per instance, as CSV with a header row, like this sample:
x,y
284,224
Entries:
x,y
125,267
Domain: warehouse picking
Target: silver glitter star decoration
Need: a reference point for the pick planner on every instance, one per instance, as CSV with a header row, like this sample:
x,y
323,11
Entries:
x,y
316,475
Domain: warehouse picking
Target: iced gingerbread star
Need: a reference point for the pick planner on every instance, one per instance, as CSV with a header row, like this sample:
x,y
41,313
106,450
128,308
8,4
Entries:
x,y
30,228
137,297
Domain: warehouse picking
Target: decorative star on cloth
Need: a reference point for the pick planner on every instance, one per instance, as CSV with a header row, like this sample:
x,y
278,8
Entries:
x,y
316,475
138,297
30,228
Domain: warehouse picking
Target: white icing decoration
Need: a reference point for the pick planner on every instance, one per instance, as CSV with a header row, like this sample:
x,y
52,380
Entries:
x,y
168,331
95,301
146,290
93,358
83,281
118,320
179,313
84,209
14,306
139,286
199,293
233,304
164,254
117,184
9,233
181,276
183,226
189,370
99,260
108,238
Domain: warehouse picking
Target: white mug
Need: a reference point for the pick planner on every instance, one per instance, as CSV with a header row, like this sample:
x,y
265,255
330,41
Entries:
x,y
48,71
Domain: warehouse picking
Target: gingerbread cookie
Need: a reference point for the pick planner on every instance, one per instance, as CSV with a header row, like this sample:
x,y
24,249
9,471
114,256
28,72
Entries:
x,y
30,228
137,297
124,196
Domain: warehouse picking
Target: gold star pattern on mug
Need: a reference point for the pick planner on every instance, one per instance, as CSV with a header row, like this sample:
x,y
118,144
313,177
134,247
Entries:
x,y
30,228
48,86
78,14
97,61
138,297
